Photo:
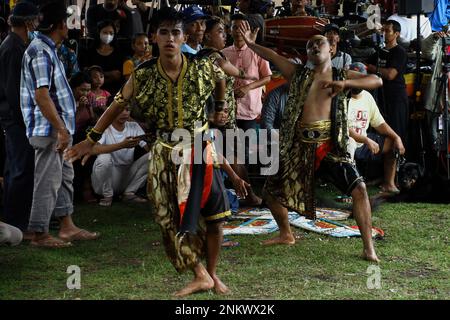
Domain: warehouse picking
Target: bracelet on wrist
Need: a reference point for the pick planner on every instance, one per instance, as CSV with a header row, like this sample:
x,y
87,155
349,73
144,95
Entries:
x,y
93,135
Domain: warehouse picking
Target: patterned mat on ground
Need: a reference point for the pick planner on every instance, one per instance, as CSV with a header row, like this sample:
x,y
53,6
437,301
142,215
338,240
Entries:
x,y
332,228
325,213
260,221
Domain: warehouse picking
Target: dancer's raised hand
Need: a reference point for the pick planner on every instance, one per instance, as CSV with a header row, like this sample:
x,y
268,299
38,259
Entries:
x,y
247,33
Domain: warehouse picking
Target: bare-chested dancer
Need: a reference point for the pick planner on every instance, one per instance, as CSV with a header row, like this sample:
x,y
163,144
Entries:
x,y
313,135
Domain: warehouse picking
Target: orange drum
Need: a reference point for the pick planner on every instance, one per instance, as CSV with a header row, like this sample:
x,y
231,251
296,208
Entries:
x,y
292,31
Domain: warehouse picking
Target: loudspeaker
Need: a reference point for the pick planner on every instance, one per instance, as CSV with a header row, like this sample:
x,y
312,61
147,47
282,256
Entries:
x,y
407,7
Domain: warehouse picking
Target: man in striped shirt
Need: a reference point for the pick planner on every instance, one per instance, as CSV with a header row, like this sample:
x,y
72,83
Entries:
x,y
48,109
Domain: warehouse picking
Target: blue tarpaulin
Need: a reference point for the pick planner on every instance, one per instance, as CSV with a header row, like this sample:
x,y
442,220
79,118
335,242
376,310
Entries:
x,y
441,15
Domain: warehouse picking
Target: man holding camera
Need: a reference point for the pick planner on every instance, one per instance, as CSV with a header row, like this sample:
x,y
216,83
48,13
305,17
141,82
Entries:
x,y
391,63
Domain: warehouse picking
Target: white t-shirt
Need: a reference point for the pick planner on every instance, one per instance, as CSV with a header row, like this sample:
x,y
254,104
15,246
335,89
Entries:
x,y
122,157
363,112
408,26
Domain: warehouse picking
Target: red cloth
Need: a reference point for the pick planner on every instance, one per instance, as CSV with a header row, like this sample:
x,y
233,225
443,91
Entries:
x,y
207,181
321,152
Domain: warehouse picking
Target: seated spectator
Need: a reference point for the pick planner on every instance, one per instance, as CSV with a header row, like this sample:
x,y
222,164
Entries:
x,y
84,118
362,112
98,97
142,52
115,170
105,54
10,235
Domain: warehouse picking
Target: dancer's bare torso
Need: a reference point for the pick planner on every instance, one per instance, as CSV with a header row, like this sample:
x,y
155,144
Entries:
x,y
318,102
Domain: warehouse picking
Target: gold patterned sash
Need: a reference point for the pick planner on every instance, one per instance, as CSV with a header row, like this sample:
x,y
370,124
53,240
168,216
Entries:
x,y
318,131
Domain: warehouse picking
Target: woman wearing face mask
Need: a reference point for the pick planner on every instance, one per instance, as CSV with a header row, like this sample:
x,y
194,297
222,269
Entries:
x,y
105,54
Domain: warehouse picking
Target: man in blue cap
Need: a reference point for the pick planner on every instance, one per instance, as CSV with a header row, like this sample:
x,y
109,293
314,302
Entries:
x,y
194,21
19,164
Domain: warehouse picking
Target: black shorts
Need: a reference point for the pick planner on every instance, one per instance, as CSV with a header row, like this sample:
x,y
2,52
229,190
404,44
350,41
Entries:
x,y
364,153
344,175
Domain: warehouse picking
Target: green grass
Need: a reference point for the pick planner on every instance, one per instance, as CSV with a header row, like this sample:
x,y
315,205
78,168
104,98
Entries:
x,y
129,263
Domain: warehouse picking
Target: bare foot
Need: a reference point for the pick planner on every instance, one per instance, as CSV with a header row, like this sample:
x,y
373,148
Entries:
x,y
370,256
389,189
219,286
203,283
252,201
289,240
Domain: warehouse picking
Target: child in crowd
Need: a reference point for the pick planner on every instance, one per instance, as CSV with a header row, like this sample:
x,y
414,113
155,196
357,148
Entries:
x,y
142,53
84,118
217,122
98,97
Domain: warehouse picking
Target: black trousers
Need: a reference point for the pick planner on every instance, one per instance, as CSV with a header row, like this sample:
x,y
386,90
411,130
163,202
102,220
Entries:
x,y
18,177
397,113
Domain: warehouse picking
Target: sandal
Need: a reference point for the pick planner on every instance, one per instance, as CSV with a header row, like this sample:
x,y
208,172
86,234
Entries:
x,y
82,235
106,202
50,242
132,198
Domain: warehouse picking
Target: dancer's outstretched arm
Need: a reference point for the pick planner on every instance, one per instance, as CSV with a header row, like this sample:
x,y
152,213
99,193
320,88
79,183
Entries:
x,y
286,67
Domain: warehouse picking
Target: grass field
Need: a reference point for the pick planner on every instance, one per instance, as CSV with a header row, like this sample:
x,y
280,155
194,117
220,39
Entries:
x,y
129,263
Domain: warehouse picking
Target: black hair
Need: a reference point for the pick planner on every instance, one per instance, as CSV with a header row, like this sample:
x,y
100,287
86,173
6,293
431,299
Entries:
x,y
19,21
89,71
138,35
78,79
47,5
101,25
211,23
238,16
169,14
395,25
